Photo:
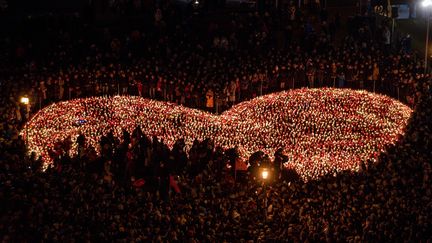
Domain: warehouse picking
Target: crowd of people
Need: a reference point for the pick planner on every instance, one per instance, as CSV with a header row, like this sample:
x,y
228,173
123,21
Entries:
x,y
216,69
172,196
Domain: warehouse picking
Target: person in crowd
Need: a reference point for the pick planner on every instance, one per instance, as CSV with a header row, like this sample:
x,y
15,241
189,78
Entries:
x,y
210,99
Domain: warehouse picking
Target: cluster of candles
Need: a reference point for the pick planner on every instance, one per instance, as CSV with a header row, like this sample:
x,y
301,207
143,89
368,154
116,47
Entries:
x,y
321,130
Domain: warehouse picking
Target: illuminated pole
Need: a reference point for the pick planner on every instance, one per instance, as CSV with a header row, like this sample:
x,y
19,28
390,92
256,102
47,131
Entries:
x,y
26,101
264,176
427,4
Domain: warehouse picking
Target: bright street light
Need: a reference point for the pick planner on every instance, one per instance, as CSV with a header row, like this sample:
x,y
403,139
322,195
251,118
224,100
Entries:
x,y
25,100
426,3
264,174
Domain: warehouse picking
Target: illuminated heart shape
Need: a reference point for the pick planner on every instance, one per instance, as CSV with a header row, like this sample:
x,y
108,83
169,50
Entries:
x,y
321,130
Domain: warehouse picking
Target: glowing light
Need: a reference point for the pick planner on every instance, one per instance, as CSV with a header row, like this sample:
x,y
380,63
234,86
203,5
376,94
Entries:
x,y
264,174
426,3
24,100
321,130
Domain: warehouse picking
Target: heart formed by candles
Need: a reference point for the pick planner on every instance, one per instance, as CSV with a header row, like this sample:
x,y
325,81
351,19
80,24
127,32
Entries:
x,y
321,130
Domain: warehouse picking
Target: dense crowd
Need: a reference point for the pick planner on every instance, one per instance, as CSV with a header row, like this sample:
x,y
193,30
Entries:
x,y
212,70
171,196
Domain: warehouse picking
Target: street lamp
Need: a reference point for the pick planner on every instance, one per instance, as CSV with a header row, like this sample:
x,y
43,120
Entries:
x,y
26,101
427,4
265,176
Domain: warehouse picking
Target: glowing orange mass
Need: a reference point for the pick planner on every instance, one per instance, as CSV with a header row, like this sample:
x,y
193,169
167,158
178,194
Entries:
x,y
321,130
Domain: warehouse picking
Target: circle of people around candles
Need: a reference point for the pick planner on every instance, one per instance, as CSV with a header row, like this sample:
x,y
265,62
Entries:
x,y
320,130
